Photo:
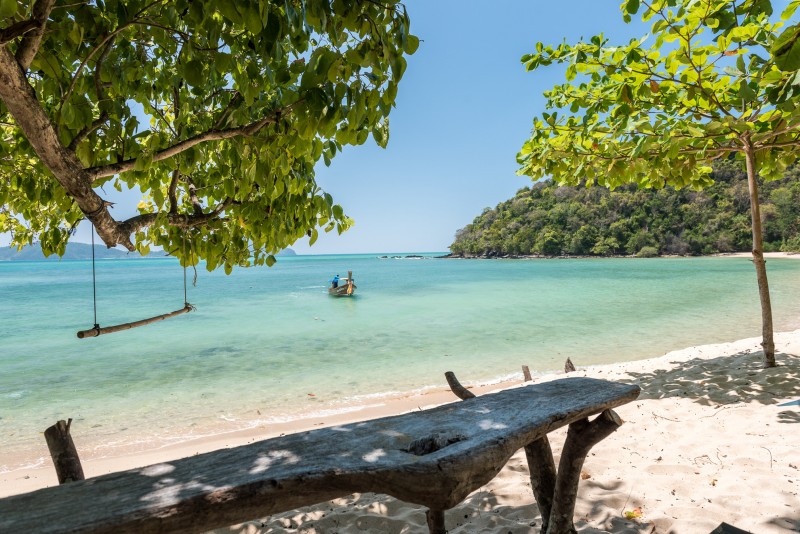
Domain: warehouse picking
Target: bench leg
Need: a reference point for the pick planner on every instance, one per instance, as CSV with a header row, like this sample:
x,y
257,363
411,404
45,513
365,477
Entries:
x,y
543,476
435,521
581,437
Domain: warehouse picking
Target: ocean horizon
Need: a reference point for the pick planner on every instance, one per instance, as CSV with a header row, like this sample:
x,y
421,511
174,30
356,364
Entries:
x,y
268,345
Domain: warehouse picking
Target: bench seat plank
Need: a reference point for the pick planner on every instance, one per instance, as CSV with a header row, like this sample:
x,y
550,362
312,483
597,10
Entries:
x,y
434,458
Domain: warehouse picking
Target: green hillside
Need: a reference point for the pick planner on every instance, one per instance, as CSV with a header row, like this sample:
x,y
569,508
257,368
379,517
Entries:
x,y
549,220
75,251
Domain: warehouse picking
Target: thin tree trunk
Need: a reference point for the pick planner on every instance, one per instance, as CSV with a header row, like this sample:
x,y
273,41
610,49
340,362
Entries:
x,y
758,258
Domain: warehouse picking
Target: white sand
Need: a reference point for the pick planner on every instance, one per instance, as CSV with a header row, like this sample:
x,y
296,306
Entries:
x,y
705,443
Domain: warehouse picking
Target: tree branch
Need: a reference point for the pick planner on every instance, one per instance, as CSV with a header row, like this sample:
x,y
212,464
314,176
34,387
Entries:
x,y
20,100
17,29
29,45
198,207
102,43
173,196
104,171
134,224
235,99
80,136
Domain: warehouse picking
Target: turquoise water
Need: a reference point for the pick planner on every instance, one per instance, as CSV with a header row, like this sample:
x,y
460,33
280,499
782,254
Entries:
x,y
263,339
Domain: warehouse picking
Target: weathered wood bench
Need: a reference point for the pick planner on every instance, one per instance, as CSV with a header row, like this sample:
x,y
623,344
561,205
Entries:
x,y
433,458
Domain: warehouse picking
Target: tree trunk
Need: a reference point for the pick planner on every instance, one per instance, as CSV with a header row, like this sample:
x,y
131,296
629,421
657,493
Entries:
x,y
758,258
63,452
20,100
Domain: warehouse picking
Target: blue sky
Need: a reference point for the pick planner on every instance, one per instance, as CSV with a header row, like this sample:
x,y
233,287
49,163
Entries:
x,y
464,108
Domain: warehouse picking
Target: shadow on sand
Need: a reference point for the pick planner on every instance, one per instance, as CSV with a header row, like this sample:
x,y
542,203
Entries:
x,y
740,377
716,382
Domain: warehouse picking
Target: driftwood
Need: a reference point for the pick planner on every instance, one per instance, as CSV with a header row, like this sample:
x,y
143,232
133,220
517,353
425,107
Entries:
x,y
468,443
581,437
98,331
526,374
63,452
542,469
460,391
556,492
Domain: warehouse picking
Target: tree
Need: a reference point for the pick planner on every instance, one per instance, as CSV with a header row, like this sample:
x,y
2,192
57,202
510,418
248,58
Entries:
x,y
216,110
657,111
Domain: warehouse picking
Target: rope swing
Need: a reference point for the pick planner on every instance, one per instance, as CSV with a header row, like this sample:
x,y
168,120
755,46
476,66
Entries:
x,y
96,330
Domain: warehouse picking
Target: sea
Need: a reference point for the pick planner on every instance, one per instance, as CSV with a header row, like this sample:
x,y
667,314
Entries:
x,y
268,345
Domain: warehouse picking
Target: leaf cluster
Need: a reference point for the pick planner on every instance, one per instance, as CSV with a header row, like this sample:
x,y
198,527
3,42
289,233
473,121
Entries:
x,y
552,220
217,111
657,110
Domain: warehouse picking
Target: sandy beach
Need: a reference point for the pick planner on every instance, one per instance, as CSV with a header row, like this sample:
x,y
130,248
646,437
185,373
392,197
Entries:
x,y
707,442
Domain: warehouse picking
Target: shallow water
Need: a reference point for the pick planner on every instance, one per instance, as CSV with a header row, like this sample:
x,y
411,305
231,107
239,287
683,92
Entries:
x,y
267,344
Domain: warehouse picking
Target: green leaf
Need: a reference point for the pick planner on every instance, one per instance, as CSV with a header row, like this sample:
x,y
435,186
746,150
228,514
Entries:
x,y
412,44
193,73
252,19
786,49
228,9
8,8
632,6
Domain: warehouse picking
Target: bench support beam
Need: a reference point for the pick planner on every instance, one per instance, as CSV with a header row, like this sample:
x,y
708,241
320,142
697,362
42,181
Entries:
x,y
435,520
542,469
581,437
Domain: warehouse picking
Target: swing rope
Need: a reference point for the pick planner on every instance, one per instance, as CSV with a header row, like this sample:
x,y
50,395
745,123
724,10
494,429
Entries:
x,y
185,301
94,286
97,331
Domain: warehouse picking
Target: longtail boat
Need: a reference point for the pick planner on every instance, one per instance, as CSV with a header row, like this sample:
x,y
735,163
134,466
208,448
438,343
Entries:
x,y
345,288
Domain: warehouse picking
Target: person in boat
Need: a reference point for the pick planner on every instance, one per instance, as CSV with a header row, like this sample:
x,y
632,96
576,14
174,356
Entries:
x,y
335,282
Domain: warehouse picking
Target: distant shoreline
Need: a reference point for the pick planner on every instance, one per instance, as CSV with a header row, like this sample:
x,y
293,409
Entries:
x,y
768,255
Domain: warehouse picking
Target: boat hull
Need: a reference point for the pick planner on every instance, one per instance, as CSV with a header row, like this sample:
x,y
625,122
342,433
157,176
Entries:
x,y
345,290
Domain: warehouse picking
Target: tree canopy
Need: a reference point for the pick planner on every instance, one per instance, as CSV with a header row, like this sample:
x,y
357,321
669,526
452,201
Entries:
x,y
216,110
709,81
659,109
551,220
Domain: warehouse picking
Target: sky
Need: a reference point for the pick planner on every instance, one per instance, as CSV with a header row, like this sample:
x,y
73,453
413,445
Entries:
x,y
464,107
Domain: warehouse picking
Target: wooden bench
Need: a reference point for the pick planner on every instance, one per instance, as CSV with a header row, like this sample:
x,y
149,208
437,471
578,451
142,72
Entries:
x,y
433,458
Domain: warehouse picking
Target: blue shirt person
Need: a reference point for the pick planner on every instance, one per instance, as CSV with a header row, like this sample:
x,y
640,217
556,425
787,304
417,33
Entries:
x,y
335,281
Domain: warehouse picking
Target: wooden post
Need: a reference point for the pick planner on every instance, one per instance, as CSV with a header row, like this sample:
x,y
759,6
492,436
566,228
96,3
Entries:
x,y
63,451
526,373
581,437
435,519
460,391
542,470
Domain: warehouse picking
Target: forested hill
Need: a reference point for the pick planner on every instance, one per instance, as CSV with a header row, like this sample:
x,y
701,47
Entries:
x,y
549,220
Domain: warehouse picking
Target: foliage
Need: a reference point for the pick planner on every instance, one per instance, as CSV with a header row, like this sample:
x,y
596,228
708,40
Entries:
x,y
715,81
631,221
217,111
658,110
